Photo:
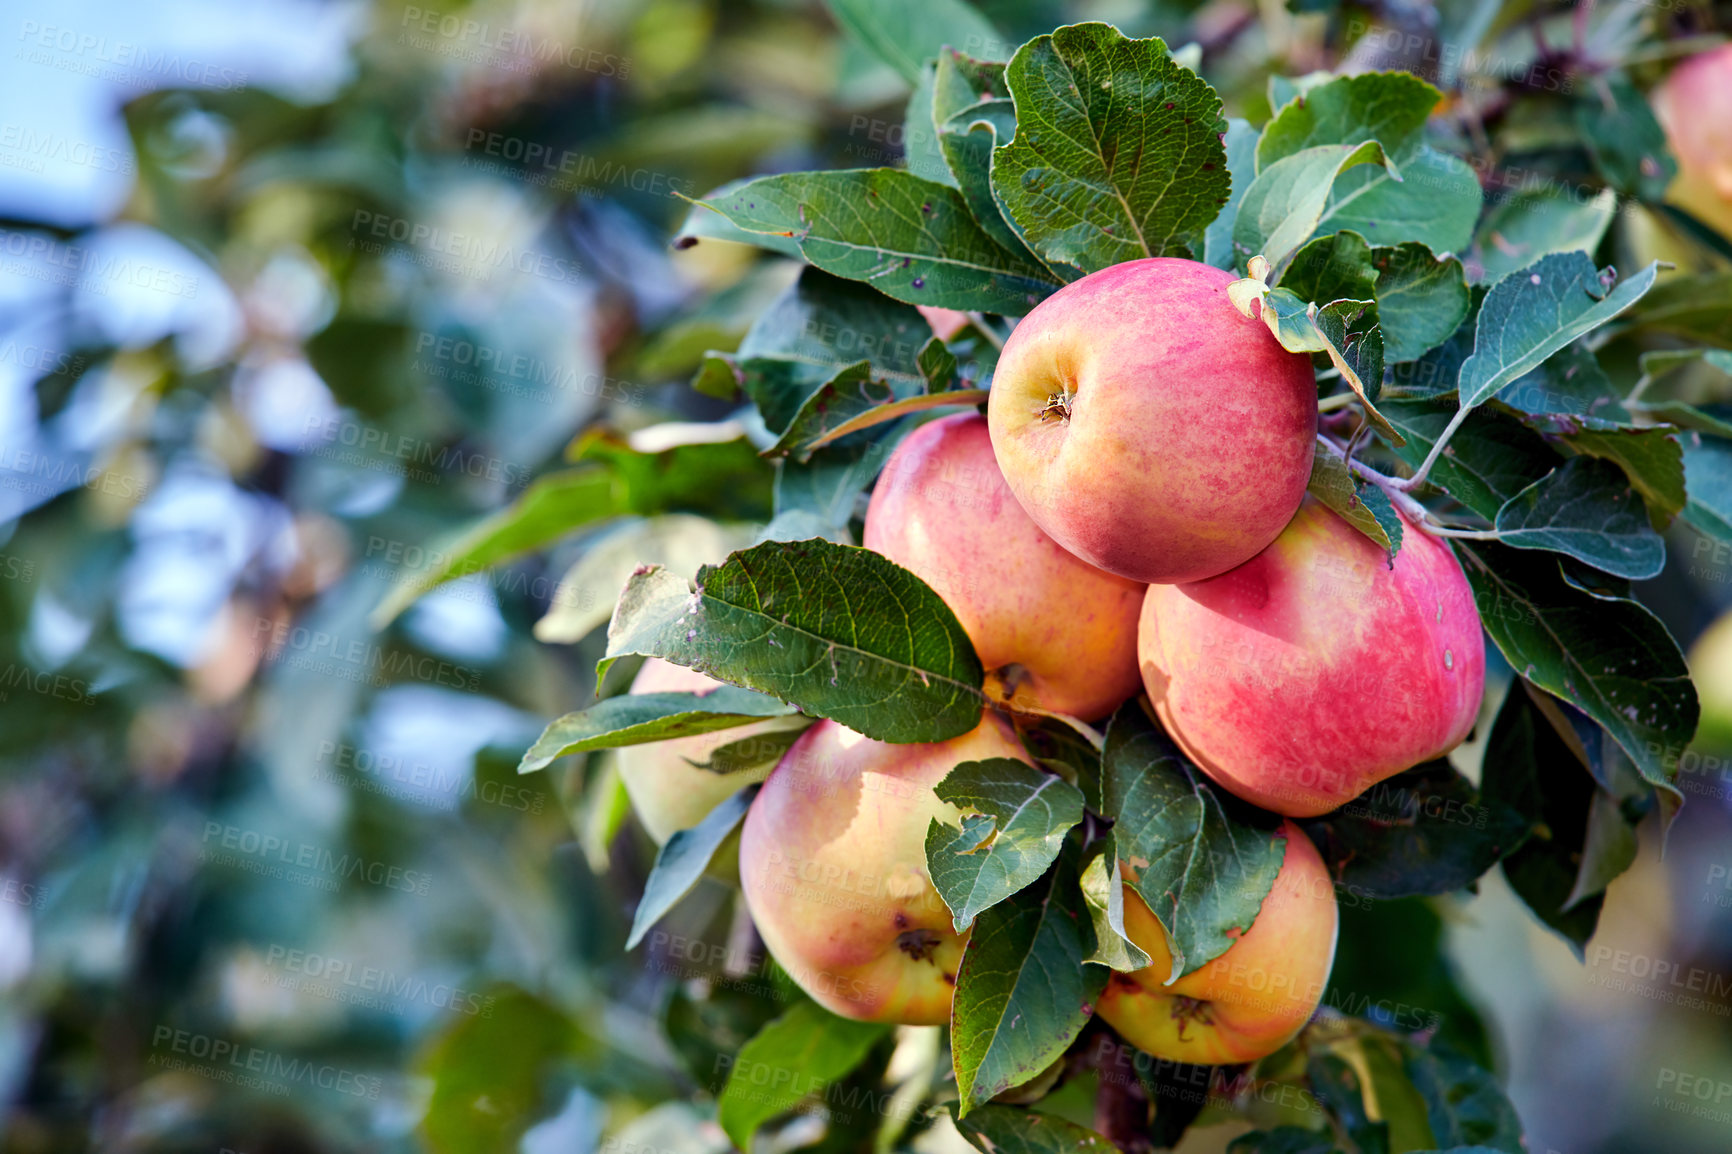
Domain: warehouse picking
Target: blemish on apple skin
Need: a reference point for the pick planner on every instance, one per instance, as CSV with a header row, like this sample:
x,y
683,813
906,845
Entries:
x,y
1448,659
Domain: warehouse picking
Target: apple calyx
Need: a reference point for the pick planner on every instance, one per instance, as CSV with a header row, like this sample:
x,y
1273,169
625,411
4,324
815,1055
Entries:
x,y
1057,407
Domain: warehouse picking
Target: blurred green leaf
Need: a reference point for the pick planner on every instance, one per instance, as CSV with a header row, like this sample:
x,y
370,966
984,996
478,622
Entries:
x,y
682,862
798,1054
904,33
487,1072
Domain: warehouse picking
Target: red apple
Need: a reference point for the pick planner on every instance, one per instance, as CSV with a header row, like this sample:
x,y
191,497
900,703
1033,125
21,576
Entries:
x,y
1250,1001
1315,670
833,865
1056,632
1151,428
1694,105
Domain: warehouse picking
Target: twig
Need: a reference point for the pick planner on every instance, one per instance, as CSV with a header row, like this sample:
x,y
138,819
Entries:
x,y
1338,401
1419,474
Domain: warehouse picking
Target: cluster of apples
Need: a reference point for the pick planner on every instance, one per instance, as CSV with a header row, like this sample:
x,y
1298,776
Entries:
x,y
1130,516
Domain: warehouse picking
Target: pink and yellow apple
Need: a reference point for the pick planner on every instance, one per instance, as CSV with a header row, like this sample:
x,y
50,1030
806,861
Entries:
x,y
1053,631
1694,105
1148,426
667,790
1315,669
833,865
1251,1000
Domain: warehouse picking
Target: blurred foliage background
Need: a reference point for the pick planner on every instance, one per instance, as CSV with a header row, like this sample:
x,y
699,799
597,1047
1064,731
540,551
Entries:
x,y
290,293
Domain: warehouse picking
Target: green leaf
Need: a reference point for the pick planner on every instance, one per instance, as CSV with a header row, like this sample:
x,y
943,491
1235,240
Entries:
x,y
840,632
1288,316
725,479
1022,990
1531,314
798,1054
1117,153
1202,862
704,223
543,513
1241,146
1284,1140
1421,299
910,238
1465,1105
994,1129
487,1072
974,114
1608,656
1586,508
1014,823
1284,205
1355,344
682,862
1491,459
1103,891
1388,107
1365,507
636,718
1530,769
1627,144
838,401
1424,831
904,33
1652,461
827,486
1336,1085
1569,384
1708,474
920,149
1523,227
1331,268
1435,204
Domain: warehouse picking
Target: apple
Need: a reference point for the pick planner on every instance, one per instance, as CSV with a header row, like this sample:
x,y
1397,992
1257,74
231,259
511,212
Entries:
x,y
1694,106
1151,428
946,323
1056,633
833,865
1250,1001
667,789
1317,669
1711,670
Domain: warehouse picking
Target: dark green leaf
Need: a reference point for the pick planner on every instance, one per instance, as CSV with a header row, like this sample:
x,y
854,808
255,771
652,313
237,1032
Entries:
x,y
1569,384
844,397
1022,991
1491,458
904,33
1532,313
1608,656
635,718
1651,459
1117,153
1421,299
749,753
1464,1103
910,238
682,862
704,223
1424,831
798,1054
1708,475
1627,143
1284,1140
486,1073
1586,508
1241,146
1335,1084
1331,268
1202,863
1388,107
975,114
840,632
1355,344
996,1129
724,479
920,149
1533,223
1364,507
1015,819
1697,308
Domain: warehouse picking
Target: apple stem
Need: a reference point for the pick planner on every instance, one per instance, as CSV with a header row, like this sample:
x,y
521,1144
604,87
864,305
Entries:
x,y
978,320
1338,401
1418,477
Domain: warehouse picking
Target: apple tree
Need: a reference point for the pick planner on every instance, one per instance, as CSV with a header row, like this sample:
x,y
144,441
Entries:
x,y
1481,379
